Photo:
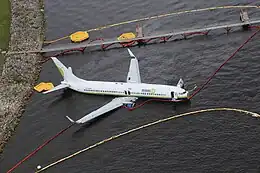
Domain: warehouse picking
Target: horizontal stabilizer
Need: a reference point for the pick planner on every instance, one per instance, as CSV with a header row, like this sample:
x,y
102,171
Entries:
x,y
58,87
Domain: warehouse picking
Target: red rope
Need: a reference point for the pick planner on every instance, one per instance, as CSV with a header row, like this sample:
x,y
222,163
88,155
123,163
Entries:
x,y
39,148
203,86
209,79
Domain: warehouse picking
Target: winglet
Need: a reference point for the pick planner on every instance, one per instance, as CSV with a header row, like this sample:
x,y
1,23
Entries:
x,y
71,120
131,53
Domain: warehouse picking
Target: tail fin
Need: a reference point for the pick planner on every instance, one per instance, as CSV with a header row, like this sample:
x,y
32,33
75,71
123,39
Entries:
x,y
64,71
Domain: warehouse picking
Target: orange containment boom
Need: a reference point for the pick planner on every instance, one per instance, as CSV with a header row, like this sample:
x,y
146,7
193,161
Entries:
x,y
43,86
79,36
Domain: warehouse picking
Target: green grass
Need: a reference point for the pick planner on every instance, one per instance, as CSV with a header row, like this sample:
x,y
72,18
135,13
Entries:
x,y
4,23
4,27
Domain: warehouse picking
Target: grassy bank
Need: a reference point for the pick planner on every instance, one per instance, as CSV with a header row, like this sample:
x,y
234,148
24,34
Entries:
x,y
4,27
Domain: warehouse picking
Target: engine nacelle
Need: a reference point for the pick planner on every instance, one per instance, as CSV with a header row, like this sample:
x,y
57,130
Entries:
x,y
129,104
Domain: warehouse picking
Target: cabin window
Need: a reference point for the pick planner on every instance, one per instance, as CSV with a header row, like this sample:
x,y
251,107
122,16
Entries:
x,y
125,93
129,93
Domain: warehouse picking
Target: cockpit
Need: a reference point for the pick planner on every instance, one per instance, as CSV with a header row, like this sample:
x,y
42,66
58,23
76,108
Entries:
x,y
180,96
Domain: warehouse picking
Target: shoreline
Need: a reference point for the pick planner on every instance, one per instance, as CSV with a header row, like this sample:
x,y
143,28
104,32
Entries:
x,y
20,72
5,19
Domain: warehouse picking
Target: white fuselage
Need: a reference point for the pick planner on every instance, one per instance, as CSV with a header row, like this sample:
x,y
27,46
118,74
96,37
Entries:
x,y
128,89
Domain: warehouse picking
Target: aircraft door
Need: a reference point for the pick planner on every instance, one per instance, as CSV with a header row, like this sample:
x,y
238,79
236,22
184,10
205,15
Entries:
x,y
172,94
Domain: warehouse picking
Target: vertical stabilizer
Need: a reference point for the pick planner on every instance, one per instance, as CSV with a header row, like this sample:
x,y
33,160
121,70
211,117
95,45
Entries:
x,y
62,68
64,71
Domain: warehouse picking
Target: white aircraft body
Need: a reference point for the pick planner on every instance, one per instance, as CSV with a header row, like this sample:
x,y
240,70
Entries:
x,y
128,91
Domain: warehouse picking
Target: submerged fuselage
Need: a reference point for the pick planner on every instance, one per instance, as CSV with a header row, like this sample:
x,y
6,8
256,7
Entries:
x,y
128,89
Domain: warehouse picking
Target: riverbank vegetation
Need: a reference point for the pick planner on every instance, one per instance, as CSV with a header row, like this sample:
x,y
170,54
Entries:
x,y
4,28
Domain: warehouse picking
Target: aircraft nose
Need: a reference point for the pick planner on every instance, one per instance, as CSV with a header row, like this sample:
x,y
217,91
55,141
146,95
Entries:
x,y
186,94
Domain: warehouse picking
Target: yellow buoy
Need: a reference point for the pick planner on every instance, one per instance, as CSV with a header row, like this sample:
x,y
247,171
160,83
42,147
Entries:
x,y
79,36
126,36
43,86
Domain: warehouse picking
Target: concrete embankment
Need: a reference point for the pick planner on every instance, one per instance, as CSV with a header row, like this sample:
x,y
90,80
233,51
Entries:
x,y
21,71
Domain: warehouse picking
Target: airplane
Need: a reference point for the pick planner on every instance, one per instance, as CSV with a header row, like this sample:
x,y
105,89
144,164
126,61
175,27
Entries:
x,y
128,92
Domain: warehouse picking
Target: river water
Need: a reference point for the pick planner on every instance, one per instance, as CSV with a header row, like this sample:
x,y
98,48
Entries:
x,y
208,142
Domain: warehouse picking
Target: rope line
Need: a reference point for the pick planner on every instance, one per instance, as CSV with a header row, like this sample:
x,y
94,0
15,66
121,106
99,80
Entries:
x,y
253,114
157,17
210,78
39,148
204,85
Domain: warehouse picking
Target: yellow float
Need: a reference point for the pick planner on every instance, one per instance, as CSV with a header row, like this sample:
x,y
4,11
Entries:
x,y
43,86
126,36
79,36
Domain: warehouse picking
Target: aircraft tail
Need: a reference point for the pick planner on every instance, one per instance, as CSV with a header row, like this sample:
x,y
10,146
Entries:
x,y
64,71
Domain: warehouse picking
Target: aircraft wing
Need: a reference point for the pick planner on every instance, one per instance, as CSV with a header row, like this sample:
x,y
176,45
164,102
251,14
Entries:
x,y
133,75
115,103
